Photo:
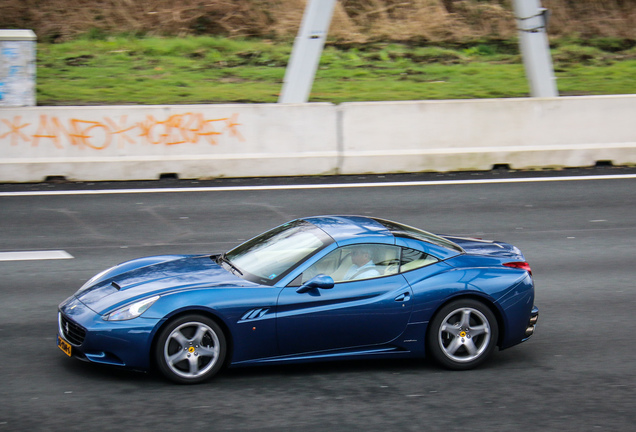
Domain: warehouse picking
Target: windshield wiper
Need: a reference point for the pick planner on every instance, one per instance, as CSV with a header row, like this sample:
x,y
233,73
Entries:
x,y
223,258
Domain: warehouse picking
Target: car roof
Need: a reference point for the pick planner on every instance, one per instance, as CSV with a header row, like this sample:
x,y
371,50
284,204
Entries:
x,y
354,229
347,227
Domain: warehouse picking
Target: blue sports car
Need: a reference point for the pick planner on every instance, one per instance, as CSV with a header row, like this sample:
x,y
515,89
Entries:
x,y
317,288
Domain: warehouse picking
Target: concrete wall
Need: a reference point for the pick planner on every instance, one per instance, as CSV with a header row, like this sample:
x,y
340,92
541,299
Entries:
x,y
204,141
477,134
143,142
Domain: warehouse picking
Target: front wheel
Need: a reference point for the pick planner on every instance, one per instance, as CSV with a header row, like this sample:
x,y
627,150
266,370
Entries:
x,y
191,349
462,334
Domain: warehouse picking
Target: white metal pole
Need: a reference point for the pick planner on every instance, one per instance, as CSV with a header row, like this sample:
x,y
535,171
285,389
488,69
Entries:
x,y
305,56
535,48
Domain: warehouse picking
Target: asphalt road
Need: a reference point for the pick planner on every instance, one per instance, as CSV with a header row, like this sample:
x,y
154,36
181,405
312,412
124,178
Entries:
x,y
576,373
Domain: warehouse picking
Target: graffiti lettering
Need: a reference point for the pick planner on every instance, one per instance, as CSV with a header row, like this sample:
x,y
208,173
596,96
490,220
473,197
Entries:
x,y
14,130
120,130
188,128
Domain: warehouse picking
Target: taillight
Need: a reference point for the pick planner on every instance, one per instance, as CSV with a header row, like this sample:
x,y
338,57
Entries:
x,y
521,265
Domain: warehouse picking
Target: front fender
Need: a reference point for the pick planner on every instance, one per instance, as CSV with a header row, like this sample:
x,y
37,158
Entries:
x,y
253,334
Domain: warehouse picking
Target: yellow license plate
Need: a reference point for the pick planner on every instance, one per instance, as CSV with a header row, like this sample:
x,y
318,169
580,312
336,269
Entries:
x,y
64,346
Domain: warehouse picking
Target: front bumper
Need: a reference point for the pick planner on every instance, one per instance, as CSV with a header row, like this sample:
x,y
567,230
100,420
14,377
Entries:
x,y
116,343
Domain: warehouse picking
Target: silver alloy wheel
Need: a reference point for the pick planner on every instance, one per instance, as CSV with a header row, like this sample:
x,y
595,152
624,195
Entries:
x,y
191,349
464,334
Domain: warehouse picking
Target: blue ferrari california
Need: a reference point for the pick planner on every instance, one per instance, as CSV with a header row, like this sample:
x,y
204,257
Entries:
x,y
313,289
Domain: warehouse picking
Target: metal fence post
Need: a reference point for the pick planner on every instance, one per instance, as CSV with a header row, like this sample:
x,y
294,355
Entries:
x,y
535,49
305,56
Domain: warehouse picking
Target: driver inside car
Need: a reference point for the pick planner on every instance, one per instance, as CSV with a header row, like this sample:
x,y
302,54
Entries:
x,y
363,266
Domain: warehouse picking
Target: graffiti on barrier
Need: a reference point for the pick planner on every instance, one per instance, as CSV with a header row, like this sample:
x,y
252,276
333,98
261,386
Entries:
x,y
188,128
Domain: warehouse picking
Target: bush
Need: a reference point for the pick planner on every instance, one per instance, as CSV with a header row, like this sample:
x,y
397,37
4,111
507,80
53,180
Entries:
x,y
354,21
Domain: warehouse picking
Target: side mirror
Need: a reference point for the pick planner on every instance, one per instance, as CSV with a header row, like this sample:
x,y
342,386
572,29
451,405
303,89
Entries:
x,y
321,281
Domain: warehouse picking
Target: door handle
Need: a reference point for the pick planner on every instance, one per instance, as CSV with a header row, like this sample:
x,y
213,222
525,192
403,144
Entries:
x,y
403,297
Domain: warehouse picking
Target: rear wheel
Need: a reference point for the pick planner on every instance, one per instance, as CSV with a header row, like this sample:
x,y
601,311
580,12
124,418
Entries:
x,y
462,334
191,349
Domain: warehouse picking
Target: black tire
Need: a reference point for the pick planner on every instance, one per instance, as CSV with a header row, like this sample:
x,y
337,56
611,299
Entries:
x,y
190,349
462,335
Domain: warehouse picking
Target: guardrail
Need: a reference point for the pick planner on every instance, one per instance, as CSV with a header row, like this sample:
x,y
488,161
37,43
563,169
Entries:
x,y
253,140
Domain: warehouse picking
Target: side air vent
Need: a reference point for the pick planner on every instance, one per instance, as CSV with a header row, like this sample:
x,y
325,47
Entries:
x,y
254,314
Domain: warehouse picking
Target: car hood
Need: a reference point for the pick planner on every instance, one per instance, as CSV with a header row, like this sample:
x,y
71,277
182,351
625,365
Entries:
x,y
187,272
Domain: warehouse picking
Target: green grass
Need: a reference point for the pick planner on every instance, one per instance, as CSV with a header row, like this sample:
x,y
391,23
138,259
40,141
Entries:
x,y
121,70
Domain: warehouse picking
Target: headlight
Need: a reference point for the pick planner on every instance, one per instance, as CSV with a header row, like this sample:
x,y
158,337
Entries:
x,y
131,311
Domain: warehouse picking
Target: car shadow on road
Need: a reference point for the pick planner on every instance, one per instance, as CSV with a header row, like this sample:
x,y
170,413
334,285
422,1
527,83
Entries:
x,y
75,369
349,367
96,372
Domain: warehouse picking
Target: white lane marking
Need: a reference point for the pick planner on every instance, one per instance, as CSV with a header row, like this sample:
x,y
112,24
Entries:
x,y
319,186
35,255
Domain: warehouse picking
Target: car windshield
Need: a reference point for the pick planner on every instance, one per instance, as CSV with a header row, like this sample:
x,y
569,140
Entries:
x,y
400,230
269,256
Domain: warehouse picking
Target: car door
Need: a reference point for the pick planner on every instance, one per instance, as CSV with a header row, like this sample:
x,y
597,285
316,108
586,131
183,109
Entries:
x,y
372,307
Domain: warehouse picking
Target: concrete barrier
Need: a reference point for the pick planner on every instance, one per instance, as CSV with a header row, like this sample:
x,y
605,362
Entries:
x,y
208,141
478,134
143,142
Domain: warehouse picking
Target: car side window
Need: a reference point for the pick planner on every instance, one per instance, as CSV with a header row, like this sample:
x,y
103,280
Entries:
x,y
356,262
413,259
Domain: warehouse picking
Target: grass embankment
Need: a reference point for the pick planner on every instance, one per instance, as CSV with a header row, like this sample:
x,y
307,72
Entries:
x,y
192,69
